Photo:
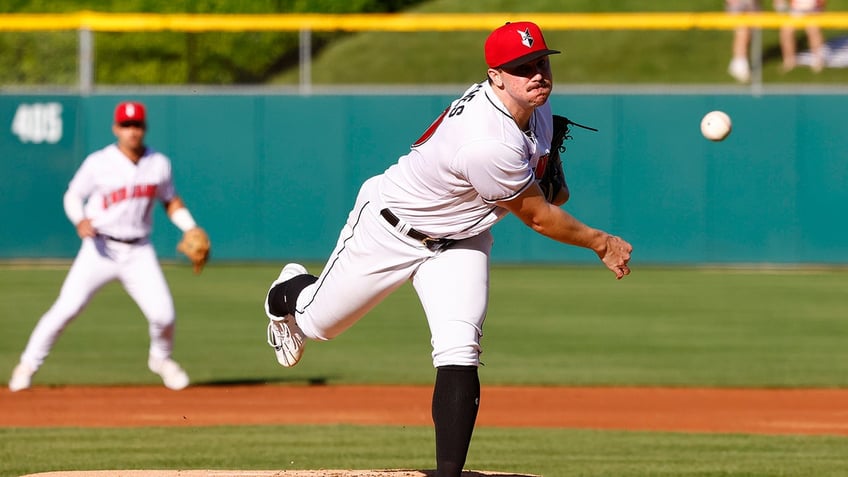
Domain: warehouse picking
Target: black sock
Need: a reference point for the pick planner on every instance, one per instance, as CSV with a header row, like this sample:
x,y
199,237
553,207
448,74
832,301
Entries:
x,y
456,398
282,299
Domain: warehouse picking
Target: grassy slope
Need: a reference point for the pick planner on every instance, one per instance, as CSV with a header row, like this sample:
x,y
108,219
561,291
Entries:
x,y
611,57
590,57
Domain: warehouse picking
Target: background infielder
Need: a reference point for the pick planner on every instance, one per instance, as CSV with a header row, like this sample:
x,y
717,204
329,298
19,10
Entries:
x,y
110,202
427,219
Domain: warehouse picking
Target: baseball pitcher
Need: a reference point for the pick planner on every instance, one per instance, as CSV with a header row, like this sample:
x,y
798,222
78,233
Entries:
x,y
427,220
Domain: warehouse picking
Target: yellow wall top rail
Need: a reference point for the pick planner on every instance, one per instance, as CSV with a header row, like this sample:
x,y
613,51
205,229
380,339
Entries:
x,y
152,22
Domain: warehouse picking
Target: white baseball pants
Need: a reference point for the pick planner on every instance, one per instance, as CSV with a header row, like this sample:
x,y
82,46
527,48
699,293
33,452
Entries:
x,y
372,259
97,263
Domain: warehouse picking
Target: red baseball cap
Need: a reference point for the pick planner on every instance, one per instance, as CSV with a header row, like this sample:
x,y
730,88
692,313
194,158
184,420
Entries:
x,y
515,44
130,111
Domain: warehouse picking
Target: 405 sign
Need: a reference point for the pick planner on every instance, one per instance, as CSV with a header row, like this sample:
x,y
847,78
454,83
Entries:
x,y
38,123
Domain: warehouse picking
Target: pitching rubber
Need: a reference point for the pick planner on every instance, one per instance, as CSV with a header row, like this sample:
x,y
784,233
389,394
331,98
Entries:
x,y
266,473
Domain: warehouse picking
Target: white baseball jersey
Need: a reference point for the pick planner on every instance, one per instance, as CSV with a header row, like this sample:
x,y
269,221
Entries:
x,y
472,156
121,194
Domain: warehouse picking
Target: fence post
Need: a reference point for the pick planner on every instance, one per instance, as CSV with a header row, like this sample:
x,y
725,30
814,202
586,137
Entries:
x,y
757,61
305,61
86,61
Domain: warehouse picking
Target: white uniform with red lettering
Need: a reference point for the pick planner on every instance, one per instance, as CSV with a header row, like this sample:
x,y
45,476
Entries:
x,y
120,199
472,156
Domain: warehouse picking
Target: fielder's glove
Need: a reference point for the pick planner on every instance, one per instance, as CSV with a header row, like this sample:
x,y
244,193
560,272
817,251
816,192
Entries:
x,y
195,245
553,177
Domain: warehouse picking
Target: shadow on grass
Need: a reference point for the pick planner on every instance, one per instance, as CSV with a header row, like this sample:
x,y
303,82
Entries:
x,y
314,381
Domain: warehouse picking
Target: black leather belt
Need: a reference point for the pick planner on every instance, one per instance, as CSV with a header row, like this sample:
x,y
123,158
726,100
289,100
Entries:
x,y
127,241
433,244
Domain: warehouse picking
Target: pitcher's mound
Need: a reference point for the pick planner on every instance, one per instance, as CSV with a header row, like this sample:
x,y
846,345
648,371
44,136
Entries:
x,y
266,473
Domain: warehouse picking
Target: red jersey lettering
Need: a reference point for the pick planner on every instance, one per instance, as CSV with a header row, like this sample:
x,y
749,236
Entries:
x,y
144,191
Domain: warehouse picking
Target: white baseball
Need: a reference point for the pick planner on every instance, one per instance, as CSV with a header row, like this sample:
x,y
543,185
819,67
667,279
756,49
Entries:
x,y
716,125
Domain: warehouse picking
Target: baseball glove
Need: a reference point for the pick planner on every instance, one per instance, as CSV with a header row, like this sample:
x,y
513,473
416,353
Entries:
x,y
553,177
195,245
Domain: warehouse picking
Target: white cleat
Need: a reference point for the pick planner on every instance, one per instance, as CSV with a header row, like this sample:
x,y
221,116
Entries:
x,y
287,340
284,335
21,378
173,376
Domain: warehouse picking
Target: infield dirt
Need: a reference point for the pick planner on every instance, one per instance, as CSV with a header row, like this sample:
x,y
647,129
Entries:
x,y
759,411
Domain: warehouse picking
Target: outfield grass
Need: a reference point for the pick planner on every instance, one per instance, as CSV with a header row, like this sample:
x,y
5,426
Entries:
x,y
546,325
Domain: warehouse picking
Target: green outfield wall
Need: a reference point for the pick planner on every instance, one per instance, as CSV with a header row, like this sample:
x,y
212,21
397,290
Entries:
x,y
272,176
